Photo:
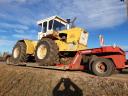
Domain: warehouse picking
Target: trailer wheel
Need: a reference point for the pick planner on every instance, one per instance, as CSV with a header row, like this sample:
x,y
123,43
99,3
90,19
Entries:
x,y
102,67
46,53
19,52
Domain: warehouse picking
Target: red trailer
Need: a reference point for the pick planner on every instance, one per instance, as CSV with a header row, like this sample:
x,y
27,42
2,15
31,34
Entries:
x,y
101,61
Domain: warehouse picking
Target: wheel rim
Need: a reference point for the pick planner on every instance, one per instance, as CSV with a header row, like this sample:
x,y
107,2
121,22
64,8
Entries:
x,y
16,52
101,67
41,51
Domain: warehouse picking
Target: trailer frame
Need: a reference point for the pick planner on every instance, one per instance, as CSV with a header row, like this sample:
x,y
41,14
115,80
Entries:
x,y
113,53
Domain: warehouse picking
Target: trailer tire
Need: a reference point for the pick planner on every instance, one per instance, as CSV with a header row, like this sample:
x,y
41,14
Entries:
x,y
102,67
19,52
46,53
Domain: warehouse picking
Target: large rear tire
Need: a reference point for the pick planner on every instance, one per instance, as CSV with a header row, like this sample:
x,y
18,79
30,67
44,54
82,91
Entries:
x,y
102,67
19,52
46,53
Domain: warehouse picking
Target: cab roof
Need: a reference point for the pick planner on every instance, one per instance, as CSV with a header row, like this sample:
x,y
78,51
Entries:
x,y
57,18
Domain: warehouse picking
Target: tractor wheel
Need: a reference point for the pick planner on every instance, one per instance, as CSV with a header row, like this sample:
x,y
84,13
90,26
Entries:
x,y
46,53
102,67
19,52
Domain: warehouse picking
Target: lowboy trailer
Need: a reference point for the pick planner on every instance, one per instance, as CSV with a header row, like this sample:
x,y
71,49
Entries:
x,y
101,61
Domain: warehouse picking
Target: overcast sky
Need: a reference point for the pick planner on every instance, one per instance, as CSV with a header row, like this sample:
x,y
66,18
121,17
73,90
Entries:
x,y
107,17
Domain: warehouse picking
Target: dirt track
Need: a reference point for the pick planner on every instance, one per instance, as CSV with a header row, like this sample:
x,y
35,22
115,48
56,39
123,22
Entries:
x,y
26,81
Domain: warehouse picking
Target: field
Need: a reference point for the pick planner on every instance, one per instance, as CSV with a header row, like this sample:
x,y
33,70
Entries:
x,y
27,81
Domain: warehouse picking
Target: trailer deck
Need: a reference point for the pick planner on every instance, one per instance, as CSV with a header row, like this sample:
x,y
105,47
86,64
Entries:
x,y
58,67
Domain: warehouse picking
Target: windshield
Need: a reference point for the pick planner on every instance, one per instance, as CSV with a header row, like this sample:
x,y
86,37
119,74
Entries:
x,y
58,26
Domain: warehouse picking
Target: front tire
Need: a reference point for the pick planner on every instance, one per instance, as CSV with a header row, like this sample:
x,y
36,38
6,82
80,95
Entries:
x,y
102,67
19,52
46,53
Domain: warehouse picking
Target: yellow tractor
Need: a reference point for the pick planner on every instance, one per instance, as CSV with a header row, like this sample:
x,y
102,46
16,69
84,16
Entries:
x,y
57,39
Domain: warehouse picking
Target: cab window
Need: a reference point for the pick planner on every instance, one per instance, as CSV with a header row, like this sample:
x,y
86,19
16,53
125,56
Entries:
x,y
58,26
50,24
44,26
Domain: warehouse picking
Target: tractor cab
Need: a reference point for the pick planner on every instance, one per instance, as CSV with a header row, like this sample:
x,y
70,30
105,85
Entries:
x,y
49,25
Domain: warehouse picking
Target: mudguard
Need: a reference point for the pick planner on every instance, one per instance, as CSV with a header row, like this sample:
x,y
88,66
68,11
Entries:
x,y
30,46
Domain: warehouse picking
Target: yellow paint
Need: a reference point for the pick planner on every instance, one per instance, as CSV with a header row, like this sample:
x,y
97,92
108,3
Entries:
x,y
62,45
81,47
73,34
72,42
30,46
